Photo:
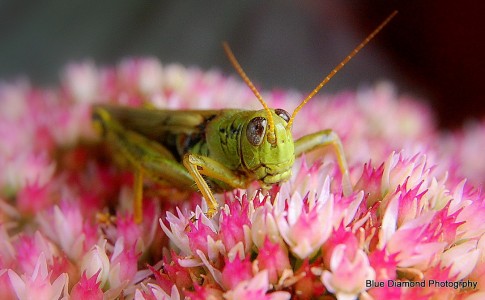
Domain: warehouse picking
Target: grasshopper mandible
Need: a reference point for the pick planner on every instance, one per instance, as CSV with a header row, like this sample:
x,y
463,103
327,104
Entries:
x,y
224,149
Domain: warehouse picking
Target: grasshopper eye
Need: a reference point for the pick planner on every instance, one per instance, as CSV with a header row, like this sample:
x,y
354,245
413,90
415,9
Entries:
x,y
282,114
256,130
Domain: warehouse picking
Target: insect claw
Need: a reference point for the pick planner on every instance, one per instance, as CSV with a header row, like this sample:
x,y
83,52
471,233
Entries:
x,y
105,218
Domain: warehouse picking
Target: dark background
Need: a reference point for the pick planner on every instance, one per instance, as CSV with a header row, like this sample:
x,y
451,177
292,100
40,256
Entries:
x,y
432,49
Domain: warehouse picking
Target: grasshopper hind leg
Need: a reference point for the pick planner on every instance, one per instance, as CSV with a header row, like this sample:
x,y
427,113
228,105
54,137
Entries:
x,y
148,158
161,170
138,193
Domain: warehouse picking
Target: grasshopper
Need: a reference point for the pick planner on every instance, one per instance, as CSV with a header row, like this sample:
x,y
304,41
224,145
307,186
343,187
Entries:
x,y
216,150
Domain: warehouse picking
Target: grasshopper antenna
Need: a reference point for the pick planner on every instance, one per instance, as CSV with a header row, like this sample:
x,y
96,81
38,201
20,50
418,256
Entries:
x,y
240,71
340,66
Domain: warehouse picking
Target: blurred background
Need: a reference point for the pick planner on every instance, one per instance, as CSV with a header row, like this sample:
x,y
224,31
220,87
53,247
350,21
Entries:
x,y
432,49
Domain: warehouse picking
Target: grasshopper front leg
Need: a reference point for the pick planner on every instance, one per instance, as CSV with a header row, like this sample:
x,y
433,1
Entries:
x,y
322,139
199,165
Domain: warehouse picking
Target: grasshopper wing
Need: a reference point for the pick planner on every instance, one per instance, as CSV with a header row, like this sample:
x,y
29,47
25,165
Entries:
x,y
157,124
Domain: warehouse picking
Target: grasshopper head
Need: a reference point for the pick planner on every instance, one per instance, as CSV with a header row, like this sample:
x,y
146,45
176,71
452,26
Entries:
x,y
268,149
270,159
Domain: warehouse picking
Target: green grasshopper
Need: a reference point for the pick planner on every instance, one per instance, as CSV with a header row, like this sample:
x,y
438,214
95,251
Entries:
x,y
205,150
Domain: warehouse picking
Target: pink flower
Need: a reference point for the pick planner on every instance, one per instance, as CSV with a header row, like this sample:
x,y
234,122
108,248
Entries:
x,y
13,96
465,148
200,235
204,293
264,226
25,167
234,226
5,285
37,284
341,236
384,264
7,250
65,226
30,248
87,288
421,251
236,271
399,169
154,292
385,267
308,285
34,197
82,81
96,261
255,288
124,264
461,259
370,180
143,74
469,205
274,258
129,230
439,274
176,230
162,281
348,274
478,274
305,225
176,273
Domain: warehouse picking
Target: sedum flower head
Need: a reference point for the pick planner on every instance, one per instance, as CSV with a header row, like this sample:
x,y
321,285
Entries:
x,y
67,228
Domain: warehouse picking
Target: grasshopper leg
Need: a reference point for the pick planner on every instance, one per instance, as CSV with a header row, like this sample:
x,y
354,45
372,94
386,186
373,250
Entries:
x,y
138,191
199,165
159,169
149,159
322,139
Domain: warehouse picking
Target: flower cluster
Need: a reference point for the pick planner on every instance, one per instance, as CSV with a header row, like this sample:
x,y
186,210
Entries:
x,y
67,229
